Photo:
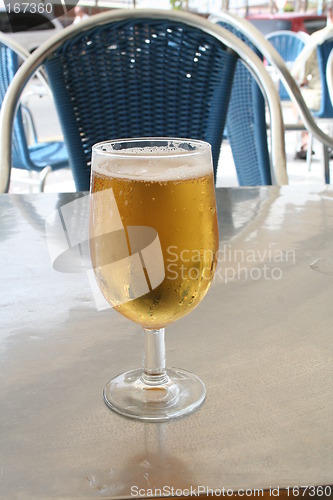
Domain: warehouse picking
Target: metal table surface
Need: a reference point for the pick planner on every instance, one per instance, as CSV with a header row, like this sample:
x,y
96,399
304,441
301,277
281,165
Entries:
x,y
261,341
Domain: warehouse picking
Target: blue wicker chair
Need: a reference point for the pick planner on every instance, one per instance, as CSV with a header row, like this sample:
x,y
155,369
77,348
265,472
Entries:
x,y
323,51
250,151
41,157
142,73
329,76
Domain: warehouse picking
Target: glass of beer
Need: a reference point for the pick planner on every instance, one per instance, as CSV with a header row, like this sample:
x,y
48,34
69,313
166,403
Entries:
x,y
153,245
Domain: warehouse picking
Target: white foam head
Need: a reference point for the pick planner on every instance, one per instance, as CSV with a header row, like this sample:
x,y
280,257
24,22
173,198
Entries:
x,y
151,163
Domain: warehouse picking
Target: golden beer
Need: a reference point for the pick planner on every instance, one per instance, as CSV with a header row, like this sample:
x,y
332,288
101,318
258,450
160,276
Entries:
x,y
179,203
153,244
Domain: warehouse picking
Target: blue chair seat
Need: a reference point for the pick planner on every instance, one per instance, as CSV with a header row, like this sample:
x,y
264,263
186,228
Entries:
x,y
53,153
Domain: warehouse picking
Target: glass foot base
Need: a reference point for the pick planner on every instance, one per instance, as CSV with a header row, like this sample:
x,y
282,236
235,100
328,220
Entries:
x,y
177,394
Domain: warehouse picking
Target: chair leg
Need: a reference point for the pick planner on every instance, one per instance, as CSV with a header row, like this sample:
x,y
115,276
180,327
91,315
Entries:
x,y
326,164
309,152
42,177
31,181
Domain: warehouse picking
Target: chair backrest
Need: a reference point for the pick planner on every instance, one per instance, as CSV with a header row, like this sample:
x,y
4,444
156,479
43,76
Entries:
x,y
289,45
138,73
322,42
9,63
139,78
329,76
248,135
323,52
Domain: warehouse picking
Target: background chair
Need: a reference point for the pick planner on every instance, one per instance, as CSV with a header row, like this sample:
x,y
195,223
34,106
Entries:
x,y
41,157
248,135
326,108
323,51
329,76
322,42
289,45
274,58
140,73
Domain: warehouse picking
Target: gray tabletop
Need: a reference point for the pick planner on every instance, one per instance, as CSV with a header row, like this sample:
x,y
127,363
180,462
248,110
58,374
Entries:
x,y
261,341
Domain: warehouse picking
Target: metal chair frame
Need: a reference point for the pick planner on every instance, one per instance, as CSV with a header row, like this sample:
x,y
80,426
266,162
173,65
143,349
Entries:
x,y
250,59
274,58
316,40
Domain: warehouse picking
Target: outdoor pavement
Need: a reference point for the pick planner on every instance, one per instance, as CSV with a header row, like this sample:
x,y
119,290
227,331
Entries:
x,y
47,127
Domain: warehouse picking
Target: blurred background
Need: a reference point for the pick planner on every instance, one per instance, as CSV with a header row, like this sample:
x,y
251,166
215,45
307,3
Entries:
x,y
31,29
204,7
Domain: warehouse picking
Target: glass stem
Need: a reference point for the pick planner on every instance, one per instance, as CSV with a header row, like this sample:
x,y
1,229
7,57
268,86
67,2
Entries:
x,y
154,372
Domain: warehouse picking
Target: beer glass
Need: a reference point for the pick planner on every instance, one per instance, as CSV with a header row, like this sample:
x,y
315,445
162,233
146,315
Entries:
x,y
153,245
